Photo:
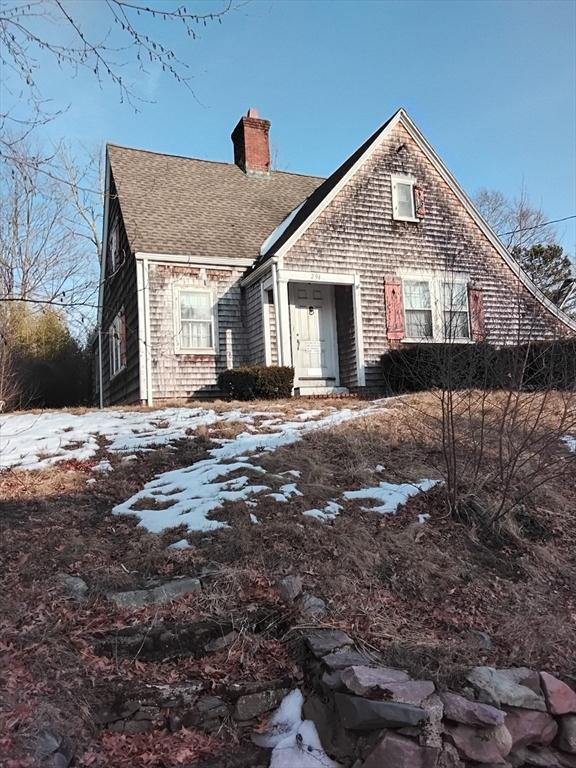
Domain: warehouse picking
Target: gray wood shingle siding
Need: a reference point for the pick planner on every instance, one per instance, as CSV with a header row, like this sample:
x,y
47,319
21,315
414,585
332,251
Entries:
x,y
255,354
356,233
177,375
119,291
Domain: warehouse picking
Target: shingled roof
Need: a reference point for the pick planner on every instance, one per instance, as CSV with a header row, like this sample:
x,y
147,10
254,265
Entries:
x,y
180,205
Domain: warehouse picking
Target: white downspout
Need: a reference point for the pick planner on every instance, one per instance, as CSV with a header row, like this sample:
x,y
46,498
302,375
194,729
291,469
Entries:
x,y
100,392
149,398
276,293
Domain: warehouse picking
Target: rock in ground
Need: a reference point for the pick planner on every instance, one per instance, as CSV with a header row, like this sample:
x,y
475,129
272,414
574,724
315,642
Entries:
x,y
527,726
336,740
411,692
400,752
324,641
256,704
467,712
567,734
76,587
518,687
348,658
159,595
311,607
561,699
289,588
484,745
362,679
432,728
537,758
366,715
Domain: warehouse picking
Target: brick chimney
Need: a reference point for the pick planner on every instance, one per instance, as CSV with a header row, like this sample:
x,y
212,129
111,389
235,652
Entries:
x,y
251,147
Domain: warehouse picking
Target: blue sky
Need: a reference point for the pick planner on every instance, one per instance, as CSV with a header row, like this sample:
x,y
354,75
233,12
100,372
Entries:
x,y
491,84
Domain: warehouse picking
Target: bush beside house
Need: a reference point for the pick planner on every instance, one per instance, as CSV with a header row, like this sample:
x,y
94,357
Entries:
x,y
257,382
535,366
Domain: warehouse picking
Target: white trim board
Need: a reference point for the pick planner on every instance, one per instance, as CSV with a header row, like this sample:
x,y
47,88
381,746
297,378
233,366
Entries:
x,y
402,117
141,288
193,261
104,248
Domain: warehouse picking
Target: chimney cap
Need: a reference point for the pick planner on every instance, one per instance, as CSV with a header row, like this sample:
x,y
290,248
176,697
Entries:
x,y
252,112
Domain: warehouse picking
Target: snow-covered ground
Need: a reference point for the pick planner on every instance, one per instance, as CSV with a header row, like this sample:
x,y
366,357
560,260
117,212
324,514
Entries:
x,y
36,441
188,495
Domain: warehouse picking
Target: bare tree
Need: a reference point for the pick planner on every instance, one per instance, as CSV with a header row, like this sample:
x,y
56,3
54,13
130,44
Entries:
x,y
44,223
32,30
517,222
494,419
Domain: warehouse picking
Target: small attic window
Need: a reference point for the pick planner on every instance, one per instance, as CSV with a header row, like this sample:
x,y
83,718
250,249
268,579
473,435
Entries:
x,y
403,206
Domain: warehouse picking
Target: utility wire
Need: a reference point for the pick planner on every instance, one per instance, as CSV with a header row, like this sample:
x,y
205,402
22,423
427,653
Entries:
x,y
537,226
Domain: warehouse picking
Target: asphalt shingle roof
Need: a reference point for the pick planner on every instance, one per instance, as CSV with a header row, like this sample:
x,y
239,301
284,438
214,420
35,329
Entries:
x,y
179,205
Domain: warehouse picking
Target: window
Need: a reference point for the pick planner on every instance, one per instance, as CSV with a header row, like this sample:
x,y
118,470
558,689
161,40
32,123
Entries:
x,y
455,306
113,243
418,309
435,309
403,207
117,343
196,320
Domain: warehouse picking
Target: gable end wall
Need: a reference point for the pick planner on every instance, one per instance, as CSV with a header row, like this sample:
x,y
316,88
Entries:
x,y
357,234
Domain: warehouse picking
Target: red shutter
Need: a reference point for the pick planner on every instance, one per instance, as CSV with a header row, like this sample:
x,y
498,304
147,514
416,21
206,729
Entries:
x,y
477,325
394,308
419,202
122,340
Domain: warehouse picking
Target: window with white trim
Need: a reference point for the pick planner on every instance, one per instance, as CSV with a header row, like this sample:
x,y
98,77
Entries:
x,y
403,206
117,344
196,319
113,245
455,307
418,309
435,309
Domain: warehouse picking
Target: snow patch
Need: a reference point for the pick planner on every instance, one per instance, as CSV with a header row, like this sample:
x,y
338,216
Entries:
x,y
330,511
104,467
37,441
390,494
180,544
295,743
570,442
194,492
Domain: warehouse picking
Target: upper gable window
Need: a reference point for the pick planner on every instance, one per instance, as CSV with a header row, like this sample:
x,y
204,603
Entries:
x,y
403,203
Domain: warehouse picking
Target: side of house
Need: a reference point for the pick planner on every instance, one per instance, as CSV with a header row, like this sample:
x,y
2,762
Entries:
x,y
118,337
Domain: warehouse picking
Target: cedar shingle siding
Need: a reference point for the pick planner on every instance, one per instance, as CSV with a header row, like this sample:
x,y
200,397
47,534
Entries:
x,y
120,292
192,223
357,234
177,375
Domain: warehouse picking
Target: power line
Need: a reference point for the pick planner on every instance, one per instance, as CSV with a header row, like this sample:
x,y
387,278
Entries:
x,y
537,226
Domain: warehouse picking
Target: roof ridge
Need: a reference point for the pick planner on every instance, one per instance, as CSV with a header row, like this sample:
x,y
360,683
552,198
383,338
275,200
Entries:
x,y
201,159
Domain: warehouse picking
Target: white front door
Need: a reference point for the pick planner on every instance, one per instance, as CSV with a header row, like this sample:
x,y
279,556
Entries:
x,y
313,327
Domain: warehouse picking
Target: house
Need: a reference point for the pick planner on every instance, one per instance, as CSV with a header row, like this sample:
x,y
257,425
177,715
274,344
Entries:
x,y
210,265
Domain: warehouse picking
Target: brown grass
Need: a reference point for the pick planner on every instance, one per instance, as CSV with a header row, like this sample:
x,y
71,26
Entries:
x,y
417,593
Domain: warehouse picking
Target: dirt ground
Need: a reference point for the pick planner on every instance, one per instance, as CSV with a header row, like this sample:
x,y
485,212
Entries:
x,y
433,597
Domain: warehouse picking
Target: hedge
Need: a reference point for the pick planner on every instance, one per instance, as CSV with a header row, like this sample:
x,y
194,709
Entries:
x,y
257,382
534,366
